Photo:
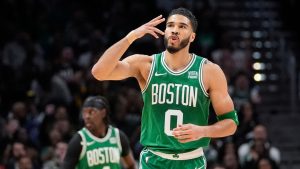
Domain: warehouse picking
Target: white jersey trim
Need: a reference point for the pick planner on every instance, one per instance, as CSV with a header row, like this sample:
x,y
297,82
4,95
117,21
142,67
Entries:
x,y
141,157
181,156
118,139
150,73
201,77
83,144
101,140
181,71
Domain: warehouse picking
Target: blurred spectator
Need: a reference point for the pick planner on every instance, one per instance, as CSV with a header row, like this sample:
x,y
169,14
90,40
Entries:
x,y
88,58
24,163
21,51
33,154
265,163
217,166
14,53
242,91
59,153
243,59
248,121
228,155
223,58
19,112
65,129
211,153
22,136
260,147
55,136
15,151
12,125
67,75
227,148
230,161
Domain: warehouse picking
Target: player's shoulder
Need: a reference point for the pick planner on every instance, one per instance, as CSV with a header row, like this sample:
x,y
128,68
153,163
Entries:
x,y
114,127
211,66
120,132
213,72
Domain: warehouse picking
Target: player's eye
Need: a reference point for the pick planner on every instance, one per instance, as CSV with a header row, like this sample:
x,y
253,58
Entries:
x,y
169,25
182,26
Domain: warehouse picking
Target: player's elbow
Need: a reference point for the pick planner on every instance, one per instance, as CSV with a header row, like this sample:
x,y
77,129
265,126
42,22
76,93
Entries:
x,y
233,127
97,73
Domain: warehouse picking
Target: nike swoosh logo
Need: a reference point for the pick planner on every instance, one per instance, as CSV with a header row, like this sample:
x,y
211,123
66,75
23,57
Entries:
x,y
147,158
90,143
159,74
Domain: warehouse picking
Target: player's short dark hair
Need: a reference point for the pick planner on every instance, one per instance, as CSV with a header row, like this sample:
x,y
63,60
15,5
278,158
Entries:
x,y
98,102
187,13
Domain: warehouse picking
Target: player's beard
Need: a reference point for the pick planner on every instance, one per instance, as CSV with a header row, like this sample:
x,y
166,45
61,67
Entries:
x,y
173,49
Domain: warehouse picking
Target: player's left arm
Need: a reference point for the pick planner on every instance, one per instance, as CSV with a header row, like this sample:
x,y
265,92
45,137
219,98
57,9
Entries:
x,y
222,103
73,153
127,156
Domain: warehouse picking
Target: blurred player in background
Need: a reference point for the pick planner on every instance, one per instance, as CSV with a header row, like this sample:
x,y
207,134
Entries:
x,y
98,144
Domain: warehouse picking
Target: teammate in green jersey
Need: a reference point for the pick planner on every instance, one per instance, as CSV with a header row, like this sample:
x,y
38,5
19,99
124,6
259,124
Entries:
x,y
177,88
98,144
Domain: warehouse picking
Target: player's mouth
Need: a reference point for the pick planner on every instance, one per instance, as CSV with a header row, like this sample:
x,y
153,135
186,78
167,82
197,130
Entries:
x,y
173,38
88,124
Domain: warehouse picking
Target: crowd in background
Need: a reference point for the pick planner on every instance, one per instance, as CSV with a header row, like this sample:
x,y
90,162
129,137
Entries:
x,y
47,49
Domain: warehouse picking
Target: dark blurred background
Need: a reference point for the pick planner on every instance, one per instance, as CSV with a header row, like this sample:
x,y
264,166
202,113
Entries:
x,y
47,49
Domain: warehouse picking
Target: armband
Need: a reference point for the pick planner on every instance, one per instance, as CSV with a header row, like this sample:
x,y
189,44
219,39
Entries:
x,y
230,115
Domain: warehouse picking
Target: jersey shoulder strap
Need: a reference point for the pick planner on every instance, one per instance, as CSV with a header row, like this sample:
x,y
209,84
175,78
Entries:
x,y
154,58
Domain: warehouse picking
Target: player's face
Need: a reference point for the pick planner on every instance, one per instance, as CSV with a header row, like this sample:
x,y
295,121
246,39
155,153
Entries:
x,y
93,118
178,33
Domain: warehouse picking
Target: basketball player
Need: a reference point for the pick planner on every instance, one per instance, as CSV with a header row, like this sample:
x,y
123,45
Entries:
x,y
177,88
98,144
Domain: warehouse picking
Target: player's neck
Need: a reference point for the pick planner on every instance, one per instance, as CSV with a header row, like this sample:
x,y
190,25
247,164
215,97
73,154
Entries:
x,y
179,60
101,132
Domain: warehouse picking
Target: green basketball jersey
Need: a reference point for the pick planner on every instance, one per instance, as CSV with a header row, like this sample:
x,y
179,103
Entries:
x,y
173,98
100,153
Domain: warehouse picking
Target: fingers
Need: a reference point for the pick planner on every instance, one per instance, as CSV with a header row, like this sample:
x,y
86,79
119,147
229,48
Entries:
x,y
183,127
181,133
156,30
184,137
156,18
185,133
153,34
156,21
149,28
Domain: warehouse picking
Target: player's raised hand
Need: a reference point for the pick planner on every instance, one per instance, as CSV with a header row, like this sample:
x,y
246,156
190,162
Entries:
x,y
147,28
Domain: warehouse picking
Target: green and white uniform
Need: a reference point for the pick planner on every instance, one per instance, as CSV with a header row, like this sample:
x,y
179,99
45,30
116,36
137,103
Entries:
x,y
173,98
100,153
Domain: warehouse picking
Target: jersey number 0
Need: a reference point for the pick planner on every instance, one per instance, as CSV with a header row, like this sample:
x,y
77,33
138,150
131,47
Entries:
x,y
178,114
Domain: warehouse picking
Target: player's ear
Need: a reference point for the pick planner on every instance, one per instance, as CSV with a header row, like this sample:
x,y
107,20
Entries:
x,y
192,37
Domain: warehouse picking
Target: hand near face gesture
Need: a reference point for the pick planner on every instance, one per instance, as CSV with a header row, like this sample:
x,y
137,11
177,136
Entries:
x,y
147,28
